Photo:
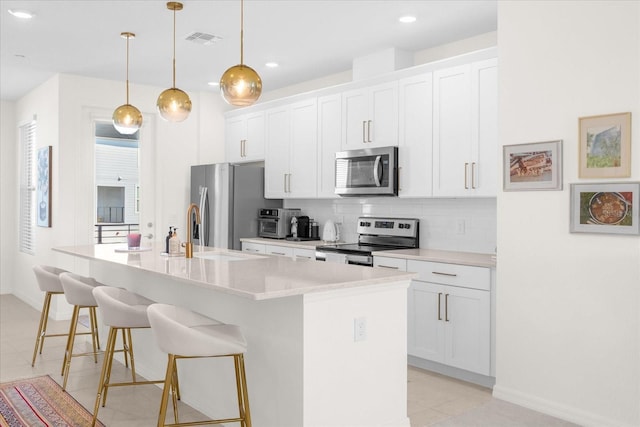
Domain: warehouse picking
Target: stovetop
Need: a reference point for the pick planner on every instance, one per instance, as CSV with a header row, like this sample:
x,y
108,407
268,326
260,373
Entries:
x,y
356,248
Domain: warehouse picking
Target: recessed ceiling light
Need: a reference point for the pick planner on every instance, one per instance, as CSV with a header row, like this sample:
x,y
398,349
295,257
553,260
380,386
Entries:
x,y
407,19
271,64
22,14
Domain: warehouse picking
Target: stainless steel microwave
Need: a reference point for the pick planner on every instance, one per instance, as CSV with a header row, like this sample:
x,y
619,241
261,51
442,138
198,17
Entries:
x,y
367,172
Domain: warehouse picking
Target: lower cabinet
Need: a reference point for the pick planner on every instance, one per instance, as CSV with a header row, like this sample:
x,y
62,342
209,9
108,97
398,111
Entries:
x,y
258,248
255,248
449,309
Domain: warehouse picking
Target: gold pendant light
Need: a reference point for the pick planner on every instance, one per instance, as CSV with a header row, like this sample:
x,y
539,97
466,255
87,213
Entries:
x,y
127,119
240,85
174,104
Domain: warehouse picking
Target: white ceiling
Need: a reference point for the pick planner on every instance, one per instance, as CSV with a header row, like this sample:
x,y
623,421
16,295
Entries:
x,y
308,38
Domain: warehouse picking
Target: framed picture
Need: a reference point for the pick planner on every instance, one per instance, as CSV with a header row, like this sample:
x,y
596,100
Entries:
x,y
43,198
533,166
605,146
605,208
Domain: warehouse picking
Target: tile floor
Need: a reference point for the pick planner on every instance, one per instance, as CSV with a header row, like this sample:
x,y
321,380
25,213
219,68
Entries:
x,y
433,400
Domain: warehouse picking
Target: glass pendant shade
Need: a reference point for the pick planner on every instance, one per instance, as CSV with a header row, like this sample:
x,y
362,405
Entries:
x,y
127,119
174,105
240,85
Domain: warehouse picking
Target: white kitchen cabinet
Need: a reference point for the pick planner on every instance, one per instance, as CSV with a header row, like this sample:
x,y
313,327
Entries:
x,y
291,151
449,309
244,137
415,136
254,248
389,262
278,250
465,130
329,142
299,253
370,116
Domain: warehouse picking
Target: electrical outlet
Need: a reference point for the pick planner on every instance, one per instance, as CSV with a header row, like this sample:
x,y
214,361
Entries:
x,y
460,226
360,329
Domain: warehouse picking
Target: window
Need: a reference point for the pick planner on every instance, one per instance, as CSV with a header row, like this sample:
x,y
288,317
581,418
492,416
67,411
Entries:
x,y
27,187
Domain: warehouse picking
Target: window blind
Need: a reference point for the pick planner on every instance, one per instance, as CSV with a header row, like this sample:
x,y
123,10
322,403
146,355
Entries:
x,y
27,187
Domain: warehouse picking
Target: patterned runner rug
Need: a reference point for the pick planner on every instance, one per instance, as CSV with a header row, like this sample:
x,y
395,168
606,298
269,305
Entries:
x,y
40,401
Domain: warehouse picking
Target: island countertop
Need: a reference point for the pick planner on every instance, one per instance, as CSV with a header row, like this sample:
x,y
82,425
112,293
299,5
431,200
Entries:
x,y
257,277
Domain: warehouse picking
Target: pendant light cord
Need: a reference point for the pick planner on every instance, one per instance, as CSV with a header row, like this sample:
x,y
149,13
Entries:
x,y
128,68
241,32
174,47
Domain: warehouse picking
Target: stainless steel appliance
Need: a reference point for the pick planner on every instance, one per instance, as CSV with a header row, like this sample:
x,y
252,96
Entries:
x,y
228,197
367,172
374,234
276,223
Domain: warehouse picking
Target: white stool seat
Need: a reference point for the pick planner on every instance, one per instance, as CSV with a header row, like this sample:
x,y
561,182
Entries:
x,y
78,292
182,332
121,308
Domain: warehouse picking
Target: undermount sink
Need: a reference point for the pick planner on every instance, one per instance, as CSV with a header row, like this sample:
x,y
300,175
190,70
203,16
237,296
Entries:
x,y
217,256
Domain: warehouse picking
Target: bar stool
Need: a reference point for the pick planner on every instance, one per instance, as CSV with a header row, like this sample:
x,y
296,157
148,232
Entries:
x,y
121,310
185,334
49,282
78,292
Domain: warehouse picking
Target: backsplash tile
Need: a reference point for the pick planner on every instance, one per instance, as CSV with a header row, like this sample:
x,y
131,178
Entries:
x,y
439,218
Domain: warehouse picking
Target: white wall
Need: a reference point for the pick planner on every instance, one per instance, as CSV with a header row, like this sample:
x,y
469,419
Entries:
x,y
568,305
9,148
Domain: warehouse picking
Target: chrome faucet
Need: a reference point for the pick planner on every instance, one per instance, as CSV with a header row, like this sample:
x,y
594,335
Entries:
x,y
188,246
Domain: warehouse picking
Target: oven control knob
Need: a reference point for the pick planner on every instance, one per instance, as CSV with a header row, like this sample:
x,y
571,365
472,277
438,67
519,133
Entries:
x,y
362,223
401,225
368,224
407,226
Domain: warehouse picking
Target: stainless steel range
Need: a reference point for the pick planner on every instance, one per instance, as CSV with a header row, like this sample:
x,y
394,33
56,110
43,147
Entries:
x,y
374,234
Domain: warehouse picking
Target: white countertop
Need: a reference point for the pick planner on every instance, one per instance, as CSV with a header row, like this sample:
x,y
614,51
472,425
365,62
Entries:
x,y
255,277
297,244
449,257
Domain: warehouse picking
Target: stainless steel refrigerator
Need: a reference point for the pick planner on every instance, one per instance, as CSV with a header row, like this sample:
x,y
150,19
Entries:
x,y
229,197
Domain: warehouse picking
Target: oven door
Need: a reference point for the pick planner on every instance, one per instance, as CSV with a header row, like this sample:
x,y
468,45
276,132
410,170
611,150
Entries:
x,y
268,227
365,260
367,172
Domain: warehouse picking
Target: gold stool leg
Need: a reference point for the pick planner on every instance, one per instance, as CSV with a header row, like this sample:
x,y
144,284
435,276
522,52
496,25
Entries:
x,y
125,348
130,351
106,366
243,396
95,339
66,364
168,379
42,327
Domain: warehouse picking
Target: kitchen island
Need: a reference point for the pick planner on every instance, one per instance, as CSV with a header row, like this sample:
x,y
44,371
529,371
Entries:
x,y
307,363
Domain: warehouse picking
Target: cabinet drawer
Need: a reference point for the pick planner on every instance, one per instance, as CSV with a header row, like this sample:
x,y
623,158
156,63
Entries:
x,y
278,250
304,253
255,248
387,262
451,274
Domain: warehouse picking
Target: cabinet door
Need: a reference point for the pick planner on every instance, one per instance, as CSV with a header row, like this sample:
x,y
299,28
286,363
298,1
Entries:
x,y
382,122
452,131
467,324
484,83
355,114
255,248
303,146
329,142
425,326
415,136
276,163
235,134
254,141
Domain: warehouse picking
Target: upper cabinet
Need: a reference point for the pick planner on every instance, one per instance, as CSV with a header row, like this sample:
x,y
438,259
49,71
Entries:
x,y
415,136
329,142
370,116
290,166
244,137
465,130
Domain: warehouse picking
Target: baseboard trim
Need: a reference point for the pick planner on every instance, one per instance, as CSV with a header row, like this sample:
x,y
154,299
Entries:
x,y
450,371
554,409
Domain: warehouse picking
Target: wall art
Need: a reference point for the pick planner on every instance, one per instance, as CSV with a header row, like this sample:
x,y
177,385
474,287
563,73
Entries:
x,y
532,166
43,190
605,208
605,146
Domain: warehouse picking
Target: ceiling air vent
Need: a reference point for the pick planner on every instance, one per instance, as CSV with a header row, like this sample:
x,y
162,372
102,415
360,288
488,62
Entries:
x,y
202,38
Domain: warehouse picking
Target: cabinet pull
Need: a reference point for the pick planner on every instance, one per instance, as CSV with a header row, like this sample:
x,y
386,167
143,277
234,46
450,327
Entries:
x,y
444,274
473,175
398,178
284,183
364,138
369,131
289,183
466,178
387,266
446,307
277,253
439,296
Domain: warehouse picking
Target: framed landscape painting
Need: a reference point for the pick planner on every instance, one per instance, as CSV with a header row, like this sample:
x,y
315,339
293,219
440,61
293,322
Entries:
x,y
605,146
605,208
533,166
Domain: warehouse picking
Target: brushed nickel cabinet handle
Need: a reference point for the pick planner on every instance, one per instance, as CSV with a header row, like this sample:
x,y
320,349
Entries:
x,y
439,297
364,138
473,175
369,131
466,178
446,307
387,266
444,274
284,184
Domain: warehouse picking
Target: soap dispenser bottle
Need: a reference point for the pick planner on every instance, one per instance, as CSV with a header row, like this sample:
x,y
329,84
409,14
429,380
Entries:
x,y
174,242
166,246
